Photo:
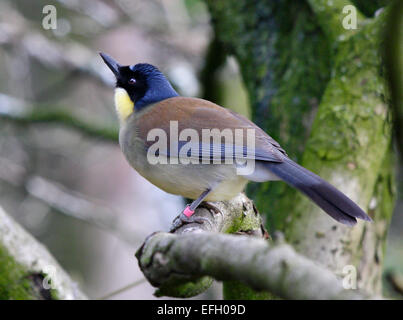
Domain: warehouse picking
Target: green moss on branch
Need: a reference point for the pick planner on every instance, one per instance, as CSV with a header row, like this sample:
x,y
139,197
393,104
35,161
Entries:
x,y
15,283
23,264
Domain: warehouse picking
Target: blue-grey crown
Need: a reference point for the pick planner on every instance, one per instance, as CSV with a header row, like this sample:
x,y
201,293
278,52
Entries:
x,y
159,87
145,68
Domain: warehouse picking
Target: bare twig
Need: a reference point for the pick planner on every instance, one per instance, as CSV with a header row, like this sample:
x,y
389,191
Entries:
x,y
17,32
68,202
77,206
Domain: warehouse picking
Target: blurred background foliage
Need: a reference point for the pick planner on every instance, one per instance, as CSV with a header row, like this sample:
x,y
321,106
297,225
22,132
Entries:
x,y
76,193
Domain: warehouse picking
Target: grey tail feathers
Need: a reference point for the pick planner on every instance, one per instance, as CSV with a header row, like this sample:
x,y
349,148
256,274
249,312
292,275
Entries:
x,y
332,201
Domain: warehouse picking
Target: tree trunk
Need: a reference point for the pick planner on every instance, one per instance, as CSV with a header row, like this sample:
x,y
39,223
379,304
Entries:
x,y
319,90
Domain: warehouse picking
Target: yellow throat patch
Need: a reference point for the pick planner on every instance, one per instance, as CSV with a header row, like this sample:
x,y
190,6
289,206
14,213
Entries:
x,y
123,104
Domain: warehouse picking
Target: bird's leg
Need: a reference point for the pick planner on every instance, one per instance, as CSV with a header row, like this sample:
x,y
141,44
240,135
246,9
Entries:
x,y
186,216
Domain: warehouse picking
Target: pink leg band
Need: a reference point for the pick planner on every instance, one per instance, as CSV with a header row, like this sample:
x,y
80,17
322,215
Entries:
x,y
187,212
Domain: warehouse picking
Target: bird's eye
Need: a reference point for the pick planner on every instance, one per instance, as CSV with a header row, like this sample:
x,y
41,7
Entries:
x,y
132,81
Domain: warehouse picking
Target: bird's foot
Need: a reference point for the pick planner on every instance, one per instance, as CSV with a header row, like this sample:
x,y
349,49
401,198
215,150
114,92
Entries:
x,y
211,207
184,218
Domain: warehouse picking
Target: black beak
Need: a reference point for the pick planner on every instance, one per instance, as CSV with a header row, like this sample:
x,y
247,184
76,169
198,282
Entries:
x,y
111,63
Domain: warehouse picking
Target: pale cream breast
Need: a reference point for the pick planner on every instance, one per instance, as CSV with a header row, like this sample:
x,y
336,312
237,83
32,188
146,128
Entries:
x,y
186,180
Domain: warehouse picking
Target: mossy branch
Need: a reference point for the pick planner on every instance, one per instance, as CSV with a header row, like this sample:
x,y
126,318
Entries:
x,y
298,72
26,265
237,216
253,262
349,152
181,264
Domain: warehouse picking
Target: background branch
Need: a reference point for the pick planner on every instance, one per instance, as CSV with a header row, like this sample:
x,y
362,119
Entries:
x,y
80,207
21,112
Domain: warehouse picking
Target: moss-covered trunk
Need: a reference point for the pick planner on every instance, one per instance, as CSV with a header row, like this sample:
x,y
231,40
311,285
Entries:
x,y
319,90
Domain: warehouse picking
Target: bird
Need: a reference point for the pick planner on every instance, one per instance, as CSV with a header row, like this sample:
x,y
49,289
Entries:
x,y
152,113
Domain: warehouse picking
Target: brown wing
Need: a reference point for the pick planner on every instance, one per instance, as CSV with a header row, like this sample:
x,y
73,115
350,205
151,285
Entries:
x,y
201,114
